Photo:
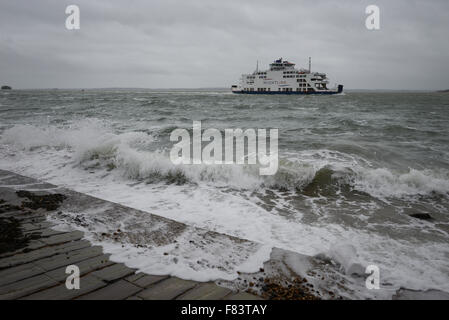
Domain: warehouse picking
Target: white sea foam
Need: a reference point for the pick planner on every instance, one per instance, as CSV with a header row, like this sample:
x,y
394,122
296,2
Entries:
x,y
129,152
383,183
78,157
191,254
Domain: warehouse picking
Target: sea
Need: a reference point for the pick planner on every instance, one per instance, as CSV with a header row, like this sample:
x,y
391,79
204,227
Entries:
x,y
354,170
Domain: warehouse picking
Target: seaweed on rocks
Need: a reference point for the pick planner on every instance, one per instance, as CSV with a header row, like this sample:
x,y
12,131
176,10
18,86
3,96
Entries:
x,y
297,289
5,207
11,235
49,201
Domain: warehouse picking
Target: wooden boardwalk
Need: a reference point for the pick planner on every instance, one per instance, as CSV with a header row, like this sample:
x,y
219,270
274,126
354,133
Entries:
x,y
34,257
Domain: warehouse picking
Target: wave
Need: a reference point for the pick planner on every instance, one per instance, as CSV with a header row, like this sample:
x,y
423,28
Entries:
x,y
320,173
312,173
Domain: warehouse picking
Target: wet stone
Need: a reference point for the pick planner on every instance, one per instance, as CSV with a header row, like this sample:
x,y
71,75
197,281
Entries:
x,y
35,201
167,290
117,291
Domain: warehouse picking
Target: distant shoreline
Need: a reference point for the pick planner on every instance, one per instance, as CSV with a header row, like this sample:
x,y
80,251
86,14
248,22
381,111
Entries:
x,y
218,89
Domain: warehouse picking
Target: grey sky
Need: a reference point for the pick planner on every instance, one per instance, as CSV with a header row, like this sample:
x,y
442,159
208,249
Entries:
x,y
208,43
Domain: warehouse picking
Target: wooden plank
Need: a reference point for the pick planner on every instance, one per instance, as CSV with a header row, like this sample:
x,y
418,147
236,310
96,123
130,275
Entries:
x,y
25,287
68,258
30,226
22,218
44,233
32,245
62,260
85,267
41,253
143,280
167,290
20,214
34,218
117,291
60,292
205,291
114,272
63,238
21,272
134,298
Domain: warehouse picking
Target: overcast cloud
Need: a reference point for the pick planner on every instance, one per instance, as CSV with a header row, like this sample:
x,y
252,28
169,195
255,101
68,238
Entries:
x,y
208,43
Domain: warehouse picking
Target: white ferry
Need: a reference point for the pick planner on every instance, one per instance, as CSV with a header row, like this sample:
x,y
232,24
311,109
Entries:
x,y
284,78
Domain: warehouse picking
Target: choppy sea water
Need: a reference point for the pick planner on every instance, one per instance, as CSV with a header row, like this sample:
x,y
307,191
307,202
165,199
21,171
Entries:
x,y
352,168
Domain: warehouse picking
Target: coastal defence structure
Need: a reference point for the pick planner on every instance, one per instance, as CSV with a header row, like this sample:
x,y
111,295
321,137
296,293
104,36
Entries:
x,y
34,256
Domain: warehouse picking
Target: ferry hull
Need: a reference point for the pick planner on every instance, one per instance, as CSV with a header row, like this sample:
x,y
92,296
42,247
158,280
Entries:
x,y
340,90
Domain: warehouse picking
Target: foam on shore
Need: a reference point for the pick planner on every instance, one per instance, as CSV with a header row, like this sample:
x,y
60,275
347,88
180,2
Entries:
x,y
125,168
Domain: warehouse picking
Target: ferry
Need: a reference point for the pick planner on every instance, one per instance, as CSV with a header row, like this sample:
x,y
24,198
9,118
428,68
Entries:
x,y
284,78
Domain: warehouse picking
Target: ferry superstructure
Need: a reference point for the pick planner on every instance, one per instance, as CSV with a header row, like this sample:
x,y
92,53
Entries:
x,y
284,78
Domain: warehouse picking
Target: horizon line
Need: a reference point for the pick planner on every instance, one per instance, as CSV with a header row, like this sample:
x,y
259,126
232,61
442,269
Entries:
x,y
205,88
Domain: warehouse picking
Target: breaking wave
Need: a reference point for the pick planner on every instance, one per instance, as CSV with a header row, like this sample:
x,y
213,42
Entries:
x,y
312,173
